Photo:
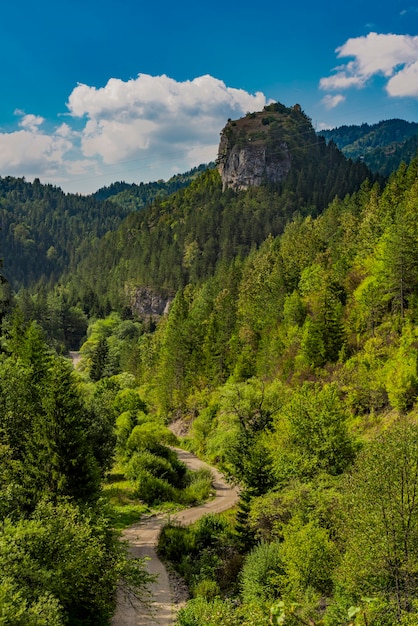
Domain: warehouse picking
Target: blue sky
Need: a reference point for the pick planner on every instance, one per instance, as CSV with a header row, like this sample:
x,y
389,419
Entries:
x,y
94,92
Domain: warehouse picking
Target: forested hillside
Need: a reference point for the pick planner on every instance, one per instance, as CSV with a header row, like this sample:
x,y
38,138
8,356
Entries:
x,y
295,369
44,231
288,357
57,229
133,197
185,237
382,147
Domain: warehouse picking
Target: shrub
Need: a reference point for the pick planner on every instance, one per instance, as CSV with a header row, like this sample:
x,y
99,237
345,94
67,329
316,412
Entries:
x,y
199,487
309,556
261,573
153,490
208,589
149,436
211,613
208,531
155,465
174,542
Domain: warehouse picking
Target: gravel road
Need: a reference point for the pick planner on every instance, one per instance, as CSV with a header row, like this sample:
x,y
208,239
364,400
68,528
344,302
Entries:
x,y
143,537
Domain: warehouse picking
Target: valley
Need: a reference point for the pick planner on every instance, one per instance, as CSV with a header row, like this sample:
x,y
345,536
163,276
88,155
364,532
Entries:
x,y
268,303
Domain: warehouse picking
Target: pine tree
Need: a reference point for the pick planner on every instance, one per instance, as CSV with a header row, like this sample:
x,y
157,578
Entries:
x,y
99,359
60,458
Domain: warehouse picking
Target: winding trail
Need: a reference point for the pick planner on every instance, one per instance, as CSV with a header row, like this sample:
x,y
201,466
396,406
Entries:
x,y
143,538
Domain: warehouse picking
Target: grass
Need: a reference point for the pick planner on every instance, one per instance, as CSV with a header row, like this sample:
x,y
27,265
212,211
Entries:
x,y
127,509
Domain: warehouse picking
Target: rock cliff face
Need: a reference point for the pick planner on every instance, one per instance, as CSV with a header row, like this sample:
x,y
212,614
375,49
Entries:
x,y
250,165
255,149
146,302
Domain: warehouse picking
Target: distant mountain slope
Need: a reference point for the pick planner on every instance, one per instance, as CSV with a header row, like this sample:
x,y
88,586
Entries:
x,y
105,247
133,197
382,146
44,231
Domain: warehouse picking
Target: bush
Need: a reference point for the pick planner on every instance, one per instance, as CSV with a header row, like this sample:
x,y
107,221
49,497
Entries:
x,y
153,490
155,465
200,611
309,556
174,542
202,552
261,573
208,589
149,436
61,562
199,487
208,531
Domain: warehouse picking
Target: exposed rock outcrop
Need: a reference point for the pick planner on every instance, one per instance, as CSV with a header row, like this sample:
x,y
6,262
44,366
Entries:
x,y
256,149
251,166
147,302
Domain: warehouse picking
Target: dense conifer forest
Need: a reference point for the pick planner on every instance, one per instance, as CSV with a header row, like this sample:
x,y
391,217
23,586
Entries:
x,y
288,358
382,147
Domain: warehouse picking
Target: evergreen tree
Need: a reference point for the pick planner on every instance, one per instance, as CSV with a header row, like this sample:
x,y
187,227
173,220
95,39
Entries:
x,y
60,460
99,359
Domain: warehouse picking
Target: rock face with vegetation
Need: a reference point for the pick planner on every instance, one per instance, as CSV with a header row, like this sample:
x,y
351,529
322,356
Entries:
x,y
256,149
147,302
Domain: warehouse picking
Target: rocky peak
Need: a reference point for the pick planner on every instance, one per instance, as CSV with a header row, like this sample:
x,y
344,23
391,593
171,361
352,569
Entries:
x,y
257,148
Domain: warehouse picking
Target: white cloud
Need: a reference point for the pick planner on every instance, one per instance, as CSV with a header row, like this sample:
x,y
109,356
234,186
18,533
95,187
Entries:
x,y
392,56
30,151
143,115
405,82
31,122
141,129
331,102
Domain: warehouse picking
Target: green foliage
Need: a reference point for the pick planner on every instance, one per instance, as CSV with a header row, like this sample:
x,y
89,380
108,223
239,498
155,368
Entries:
x,y
153,490
311,434
202,552
262,573
380,520
309,558
63,563
17,610
198,487
299,503
211,612
61,560
401,372
148,462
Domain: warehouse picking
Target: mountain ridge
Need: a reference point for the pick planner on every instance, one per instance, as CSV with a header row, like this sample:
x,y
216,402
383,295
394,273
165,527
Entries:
x,y
382,146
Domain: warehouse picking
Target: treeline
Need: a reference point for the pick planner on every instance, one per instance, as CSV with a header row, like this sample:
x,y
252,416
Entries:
x,y
133,197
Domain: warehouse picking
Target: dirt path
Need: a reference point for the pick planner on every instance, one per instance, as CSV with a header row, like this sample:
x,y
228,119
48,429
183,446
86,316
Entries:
x,y
75,358
143,537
